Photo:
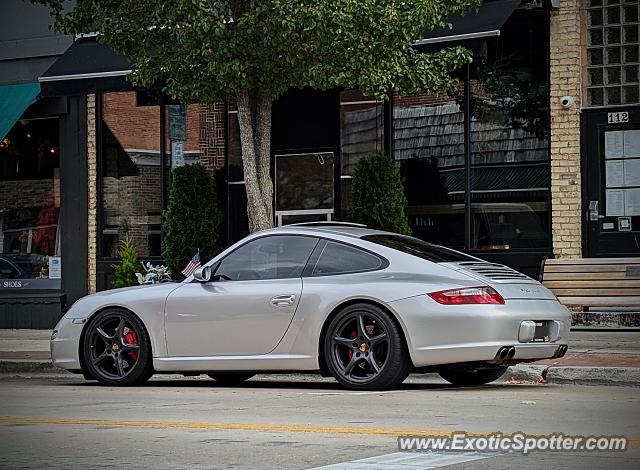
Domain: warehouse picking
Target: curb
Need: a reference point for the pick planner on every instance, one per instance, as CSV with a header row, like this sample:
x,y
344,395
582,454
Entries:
x,y
616,376
22,366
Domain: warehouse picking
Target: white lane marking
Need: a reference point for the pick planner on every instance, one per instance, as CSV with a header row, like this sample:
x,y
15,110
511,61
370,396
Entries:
x,y
385,392
409,461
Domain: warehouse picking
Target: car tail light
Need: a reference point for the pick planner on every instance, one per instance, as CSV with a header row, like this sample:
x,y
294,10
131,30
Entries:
x,y
468,295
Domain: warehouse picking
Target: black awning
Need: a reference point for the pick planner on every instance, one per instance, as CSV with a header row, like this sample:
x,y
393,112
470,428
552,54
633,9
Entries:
x,y
484,22
86,67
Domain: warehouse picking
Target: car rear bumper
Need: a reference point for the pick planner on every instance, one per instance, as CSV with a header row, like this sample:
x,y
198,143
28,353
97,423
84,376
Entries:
x,y
448,334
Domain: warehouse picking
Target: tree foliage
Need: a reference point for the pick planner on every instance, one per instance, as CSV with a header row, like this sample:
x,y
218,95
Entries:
x,y
378,199
125,270
253,51
192,218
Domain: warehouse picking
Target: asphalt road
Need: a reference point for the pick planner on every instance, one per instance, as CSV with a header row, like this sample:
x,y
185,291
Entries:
x,y
297,422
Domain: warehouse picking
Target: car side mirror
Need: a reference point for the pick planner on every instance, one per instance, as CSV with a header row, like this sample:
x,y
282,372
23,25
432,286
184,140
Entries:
x,y
203,274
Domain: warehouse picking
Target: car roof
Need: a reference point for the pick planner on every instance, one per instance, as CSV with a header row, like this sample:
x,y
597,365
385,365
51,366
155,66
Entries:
x,y
345,229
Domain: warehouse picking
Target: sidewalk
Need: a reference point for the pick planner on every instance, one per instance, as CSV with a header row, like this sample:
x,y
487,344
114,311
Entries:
x,y
611,357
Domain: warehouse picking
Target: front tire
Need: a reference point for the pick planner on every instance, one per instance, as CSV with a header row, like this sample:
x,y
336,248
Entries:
x,y
364,349
469,376
117,349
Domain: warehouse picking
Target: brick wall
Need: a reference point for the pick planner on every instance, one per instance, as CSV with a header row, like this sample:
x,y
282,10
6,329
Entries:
x,y
212,136
131,204
24,194
565,70
138,127
92,196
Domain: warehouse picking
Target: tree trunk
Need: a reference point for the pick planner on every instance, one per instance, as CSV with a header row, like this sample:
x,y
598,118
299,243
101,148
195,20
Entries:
x,y
254,119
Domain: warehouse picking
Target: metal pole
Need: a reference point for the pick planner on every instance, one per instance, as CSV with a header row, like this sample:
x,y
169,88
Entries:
x,y
468,213
228,214
388,125
163,150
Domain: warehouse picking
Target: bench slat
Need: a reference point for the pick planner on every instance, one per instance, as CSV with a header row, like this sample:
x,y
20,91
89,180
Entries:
x,y
603,292
587,276
597,268
588,283
592,261
601,301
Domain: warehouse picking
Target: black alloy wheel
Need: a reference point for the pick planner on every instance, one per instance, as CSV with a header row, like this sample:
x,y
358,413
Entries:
x,y
117,349
364,349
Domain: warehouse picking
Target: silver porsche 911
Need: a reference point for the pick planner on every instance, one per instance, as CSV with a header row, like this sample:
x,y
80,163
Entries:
x,y
365,306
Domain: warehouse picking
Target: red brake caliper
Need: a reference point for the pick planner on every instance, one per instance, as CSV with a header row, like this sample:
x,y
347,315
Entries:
x,y
352,336
131,338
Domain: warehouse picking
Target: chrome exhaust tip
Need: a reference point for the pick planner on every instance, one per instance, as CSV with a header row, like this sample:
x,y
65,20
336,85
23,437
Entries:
x,y
512,352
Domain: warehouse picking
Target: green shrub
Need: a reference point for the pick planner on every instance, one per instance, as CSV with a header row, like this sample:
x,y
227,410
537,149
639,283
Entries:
x,y
378,199
125,271
191,219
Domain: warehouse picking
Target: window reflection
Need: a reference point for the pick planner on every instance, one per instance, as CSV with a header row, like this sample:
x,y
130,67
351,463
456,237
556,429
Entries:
x,y
509,139
30,204
361,134
509,147
131,172
429,146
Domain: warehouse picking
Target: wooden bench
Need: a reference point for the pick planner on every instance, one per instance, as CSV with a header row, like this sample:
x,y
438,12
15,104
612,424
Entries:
x,y
594,282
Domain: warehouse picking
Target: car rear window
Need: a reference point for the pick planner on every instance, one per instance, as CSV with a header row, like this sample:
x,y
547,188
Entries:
x,y
415,247
337,258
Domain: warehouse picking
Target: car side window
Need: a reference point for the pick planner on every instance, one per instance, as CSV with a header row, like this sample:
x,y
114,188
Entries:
x,y
337,258
271,257
7,271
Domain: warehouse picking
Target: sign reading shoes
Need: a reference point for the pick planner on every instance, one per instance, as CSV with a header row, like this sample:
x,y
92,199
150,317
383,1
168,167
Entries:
x,y
14,284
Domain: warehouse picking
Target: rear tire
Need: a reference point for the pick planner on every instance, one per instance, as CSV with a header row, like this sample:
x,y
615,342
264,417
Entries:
x,y
364,349
469,376
230,379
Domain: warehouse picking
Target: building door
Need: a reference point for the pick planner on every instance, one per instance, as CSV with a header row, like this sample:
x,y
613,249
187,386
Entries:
x,y
611,194
304,189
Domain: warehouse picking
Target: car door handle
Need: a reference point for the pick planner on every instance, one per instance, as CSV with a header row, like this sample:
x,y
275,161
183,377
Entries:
x,y
283,300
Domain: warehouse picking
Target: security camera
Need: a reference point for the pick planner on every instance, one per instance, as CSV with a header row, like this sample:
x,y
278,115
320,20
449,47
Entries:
x,y
567,102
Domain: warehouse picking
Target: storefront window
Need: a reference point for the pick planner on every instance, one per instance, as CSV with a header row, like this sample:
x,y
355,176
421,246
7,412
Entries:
x,y
429,147
30,206
361,133
131,172
509,139
508,142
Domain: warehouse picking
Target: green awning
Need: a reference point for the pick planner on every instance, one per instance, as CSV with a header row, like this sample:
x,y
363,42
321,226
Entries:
x,y
14,100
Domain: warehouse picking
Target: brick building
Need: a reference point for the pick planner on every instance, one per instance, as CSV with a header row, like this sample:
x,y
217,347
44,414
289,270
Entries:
x,y
536,155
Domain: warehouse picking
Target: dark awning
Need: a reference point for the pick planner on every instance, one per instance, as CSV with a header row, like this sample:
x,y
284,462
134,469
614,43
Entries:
x,y
484,22
86,67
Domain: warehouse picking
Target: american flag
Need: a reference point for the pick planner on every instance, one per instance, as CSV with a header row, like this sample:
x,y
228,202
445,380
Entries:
x,y
192,266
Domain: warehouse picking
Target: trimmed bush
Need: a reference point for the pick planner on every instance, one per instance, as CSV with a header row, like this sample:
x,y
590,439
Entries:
x,y
377,198
191,219
125,271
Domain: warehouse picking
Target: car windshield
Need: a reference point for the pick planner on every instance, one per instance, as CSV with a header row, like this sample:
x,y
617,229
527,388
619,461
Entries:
x,y
419,248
